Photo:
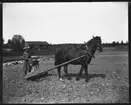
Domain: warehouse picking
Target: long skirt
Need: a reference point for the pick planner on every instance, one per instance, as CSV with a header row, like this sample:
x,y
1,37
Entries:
x,y
26,67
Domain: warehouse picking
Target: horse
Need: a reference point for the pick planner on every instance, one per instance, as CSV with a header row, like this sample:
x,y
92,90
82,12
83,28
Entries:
x,y
68,53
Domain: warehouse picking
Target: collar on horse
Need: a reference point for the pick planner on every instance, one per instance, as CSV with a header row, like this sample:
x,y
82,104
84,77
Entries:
x,y
87,52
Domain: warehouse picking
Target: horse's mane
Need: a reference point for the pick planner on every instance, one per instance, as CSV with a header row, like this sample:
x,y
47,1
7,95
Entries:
x,y
82,46
90,41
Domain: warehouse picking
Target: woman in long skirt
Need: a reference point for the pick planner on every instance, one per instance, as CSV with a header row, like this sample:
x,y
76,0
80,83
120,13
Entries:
x,y
27,58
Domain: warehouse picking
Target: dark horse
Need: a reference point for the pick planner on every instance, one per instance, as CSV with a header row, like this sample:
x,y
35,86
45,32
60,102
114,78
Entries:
x,y
70,52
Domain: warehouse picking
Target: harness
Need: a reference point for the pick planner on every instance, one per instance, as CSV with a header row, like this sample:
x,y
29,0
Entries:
x,y
87,52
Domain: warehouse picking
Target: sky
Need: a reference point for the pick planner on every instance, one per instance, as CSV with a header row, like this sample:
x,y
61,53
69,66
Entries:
x,y
69,22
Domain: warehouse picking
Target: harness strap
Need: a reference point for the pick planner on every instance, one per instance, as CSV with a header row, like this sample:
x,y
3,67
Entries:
x,y
89,52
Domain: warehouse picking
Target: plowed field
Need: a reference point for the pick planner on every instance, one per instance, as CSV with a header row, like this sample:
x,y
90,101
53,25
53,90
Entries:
x,y
108,82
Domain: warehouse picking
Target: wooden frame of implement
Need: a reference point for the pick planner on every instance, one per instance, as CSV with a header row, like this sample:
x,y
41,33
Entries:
x,y
42,72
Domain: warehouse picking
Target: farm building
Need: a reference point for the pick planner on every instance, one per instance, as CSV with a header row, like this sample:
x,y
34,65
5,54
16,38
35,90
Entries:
x,y
38,44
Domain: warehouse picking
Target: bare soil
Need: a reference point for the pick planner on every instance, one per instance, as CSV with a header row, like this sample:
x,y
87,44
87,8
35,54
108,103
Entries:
x,y
108,82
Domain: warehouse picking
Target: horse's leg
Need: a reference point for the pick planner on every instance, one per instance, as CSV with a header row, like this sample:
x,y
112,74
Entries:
x,y
86,72
27,67
38,65
59,73
81,70
30,67
24,68
66,71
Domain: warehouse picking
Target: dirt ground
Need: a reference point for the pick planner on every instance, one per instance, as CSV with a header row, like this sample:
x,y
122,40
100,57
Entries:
x,y
108,83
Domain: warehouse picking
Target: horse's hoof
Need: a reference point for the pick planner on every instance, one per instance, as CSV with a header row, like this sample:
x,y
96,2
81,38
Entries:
x,y
61,79
77,79
86,80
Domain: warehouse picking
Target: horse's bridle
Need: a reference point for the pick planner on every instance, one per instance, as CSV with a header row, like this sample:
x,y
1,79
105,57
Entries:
x,y
87,50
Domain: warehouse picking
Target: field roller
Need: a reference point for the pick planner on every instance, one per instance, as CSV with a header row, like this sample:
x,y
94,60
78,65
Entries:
x,y
42,72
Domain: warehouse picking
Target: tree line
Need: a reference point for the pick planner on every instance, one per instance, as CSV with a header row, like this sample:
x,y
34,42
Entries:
x,y
115,43
18,42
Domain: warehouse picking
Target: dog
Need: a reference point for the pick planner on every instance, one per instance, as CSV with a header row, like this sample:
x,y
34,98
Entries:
x,y
34,64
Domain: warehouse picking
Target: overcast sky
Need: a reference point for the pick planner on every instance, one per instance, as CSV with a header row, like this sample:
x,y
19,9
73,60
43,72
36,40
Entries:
x,y
66,22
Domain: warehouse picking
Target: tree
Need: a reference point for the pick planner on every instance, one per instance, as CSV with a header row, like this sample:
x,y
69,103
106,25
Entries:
x,y
117,43
113,43
126,43
17,43
122,42
9,43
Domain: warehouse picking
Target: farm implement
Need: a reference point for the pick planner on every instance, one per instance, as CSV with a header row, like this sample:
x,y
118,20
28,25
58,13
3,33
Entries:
x,y
42,72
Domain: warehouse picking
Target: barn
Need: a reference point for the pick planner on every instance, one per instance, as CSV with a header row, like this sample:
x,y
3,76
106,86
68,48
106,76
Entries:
x,y
38,44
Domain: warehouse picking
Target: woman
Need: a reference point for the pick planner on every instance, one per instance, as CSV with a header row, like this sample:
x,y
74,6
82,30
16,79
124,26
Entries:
x,y
27,58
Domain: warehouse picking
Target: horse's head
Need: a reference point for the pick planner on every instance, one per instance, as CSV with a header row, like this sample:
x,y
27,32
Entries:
x,y
98,41
95,42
